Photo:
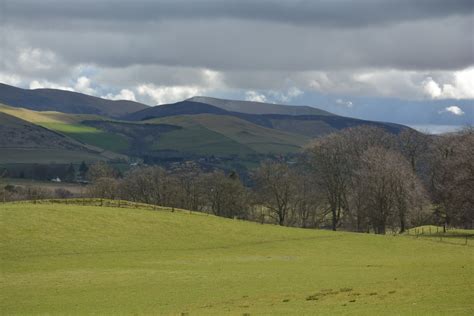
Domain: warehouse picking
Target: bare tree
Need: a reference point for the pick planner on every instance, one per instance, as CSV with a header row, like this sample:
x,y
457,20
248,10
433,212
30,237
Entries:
x,y
413,145
275,189
307,199
389,188
225,195
452,178
106,188
100,170
330,161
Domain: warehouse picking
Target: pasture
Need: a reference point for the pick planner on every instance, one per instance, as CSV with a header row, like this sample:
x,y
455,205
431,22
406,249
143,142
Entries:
x,y
74,259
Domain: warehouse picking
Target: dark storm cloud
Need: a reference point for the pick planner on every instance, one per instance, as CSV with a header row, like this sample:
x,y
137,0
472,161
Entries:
x,y
387,46
332,13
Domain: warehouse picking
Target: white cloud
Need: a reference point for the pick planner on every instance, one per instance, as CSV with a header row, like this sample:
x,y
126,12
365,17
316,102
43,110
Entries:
x,y
346,103
35,59
10,79
453,109
459,85
255,96
83,84
273,96
36,84
124,94
168,94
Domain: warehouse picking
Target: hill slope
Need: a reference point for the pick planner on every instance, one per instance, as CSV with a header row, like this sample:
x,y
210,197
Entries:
x,y
71,259
65,101
72,125
313,125
250,107
259,139
22,141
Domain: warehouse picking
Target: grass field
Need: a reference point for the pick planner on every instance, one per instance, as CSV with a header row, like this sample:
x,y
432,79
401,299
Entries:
x,y
71,259
235,132
70,125
71,187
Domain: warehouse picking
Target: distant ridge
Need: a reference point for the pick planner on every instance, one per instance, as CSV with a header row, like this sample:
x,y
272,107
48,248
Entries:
x,y
251,107
65,101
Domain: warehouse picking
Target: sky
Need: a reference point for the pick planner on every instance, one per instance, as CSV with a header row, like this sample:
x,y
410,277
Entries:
x,y
407,61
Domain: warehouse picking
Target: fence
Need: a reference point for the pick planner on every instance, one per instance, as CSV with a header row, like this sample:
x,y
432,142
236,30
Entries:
x,y
450,235
98,202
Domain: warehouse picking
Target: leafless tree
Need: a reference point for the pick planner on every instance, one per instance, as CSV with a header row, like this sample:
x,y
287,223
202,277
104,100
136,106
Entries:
x,y
452,178
275,189
225,195
413,145
389,188
100,170
330,161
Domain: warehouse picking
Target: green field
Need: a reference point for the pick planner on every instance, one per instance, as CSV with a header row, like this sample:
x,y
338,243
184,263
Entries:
x,y
90,135
71,259
71,125
232,132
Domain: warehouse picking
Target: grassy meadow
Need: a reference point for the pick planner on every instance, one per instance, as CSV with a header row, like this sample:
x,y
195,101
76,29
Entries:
x,y
73,259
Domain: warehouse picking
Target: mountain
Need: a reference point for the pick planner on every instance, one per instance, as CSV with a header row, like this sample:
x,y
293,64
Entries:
x,y
250,107
221,133
309,125
65,101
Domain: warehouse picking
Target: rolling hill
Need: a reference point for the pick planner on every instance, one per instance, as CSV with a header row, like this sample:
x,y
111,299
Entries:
x,y
22,141
61,259
308,125
241,132
251,138
71,125
65,101
250,107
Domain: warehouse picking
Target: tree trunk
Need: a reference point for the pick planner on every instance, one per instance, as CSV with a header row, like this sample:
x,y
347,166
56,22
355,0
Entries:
x,y
281,221
402,222
334,218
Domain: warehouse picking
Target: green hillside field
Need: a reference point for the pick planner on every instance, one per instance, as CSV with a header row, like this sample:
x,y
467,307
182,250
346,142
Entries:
x,y
230,131
74,259
72,126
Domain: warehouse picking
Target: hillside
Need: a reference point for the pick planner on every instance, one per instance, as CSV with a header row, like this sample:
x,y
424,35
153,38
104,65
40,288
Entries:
x,y
65,101
310,125
72,125
175,136
220,132
259,139
22,141
72,259
250,107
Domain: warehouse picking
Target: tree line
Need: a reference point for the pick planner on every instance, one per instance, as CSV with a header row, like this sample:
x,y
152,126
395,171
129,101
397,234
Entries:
x,y
360,179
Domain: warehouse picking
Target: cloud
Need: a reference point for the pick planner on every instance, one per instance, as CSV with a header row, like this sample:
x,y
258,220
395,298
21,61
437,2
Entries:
x,y
168,94
10,79
337,13
124,94
83,85
255,96
270,50
460,85
44,84
453,109
345,103
36,59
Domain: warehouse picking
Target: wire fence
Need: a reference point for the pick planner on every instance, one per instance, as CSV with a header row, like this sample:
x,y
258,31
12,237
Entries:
x,y
448,235
97,202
